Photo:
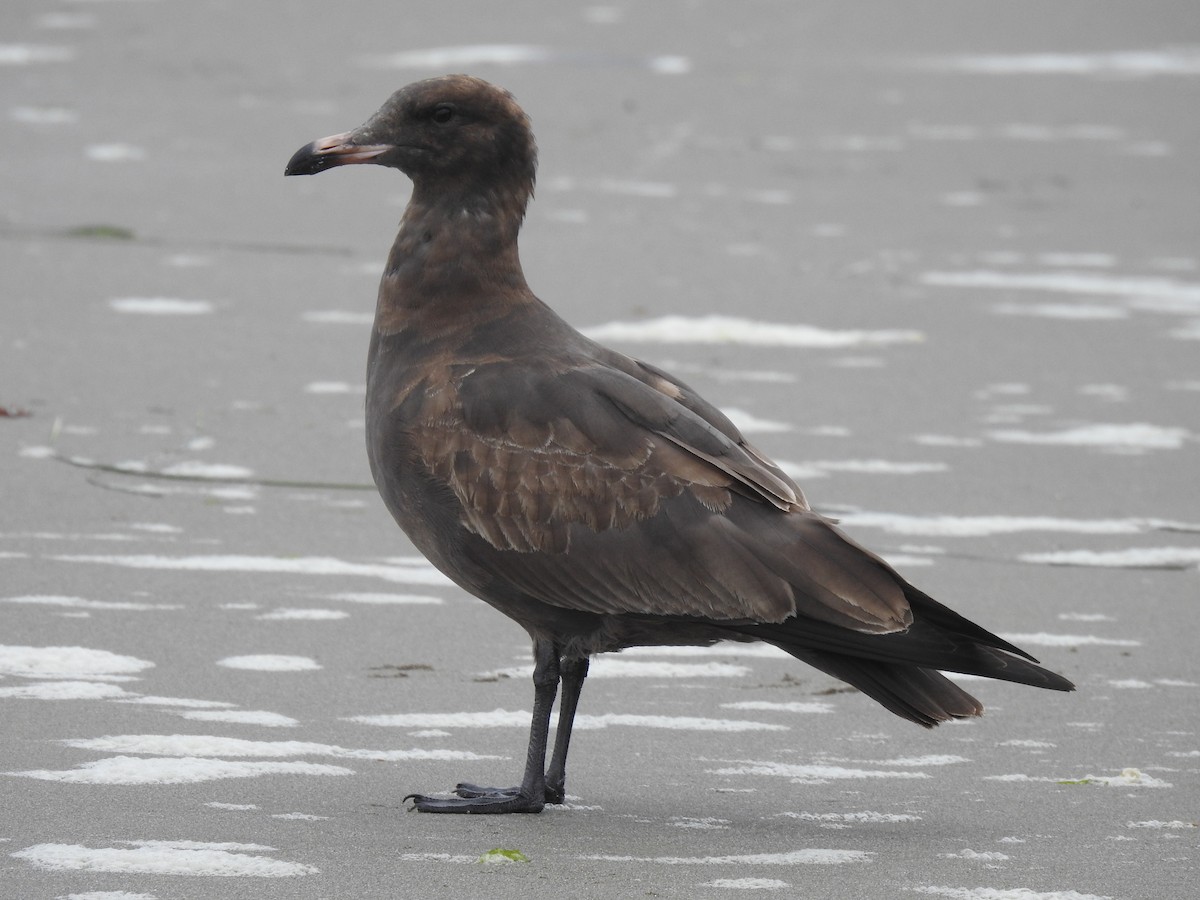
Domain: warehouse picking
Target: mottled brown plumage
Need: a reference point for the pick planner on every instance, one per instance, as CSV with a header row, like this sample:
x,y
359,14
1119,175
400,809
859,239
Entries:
x,y
591,497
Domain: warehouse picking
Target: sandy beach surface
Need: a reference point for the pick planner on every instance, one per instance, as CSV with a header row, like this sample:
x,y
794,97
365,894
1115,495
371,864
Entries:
x,y
941,258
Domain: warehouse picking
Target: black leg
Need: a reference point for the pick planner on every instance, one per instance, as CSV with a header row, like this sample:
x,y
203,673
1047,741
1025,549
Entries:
x,y
574,671
531,796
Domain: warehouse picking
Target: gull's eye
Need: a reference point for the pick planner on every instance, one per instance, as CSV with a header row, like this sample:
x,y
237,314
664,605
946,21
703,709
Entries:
x,y
442,113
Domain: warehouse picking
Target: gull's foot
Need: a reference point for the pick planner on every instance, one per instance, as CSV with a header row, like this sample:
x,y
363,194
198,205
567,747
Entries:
x,y
494,802
471,791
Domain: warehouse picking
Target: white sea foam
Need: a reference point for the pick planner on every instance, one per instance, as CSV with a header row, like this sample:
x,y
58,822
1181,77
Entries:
x,y
72,662
1128,777
1125,63
787,858
1043,639
946,440
110,895
1133,558
194,468
458,57
937,759
730,330
811,774
501,718
1094,312
706,823
864,467
611,667
43,115
298,565
1133,436
752,424
794,706
1096,260
1088,283
28,54
164,858
472,55
981,855
82,603
387,599
117,152
241,717
184,702
182,770
748,884
1175,824
338,317
986,893
270,663
845,820
63,690
333,387
974,526
206,746
288,614
161,306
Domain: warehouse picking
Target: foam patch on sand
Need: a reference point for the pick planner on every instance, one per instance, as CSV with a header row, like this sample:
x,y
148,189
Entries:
x,y
811,774
377,599
270,663
502,718
986,893
609,667
204,746
748,423
306,614
474,55
803,707
748,884
732,330
1128,777
161,306
64,690
241,717
82,603
185,770
1134,558
977,526
1134,436
1127,63
70,662
1089,283
861,467
788,858
298,565
164,858
847,820
1045,639
29,54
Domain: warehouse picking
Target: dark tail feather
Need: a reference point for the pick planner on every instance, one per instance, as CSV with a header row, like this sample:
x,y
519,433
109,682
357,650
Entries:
x,y
927,644
924,696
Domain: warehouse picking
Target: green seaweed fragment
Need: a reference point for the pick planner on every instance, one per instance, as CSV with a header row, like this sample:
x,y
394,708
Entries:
x,y
500,855
107,232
